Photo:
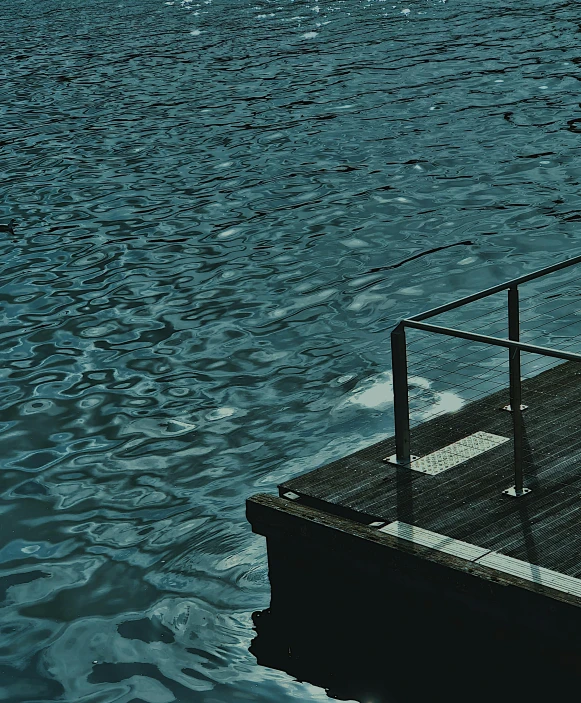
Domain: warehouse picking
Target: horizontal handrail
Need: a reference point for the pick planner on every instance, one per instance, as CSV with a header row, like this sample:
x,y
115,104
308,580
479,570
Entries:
x,y
496,341
513,344
495,289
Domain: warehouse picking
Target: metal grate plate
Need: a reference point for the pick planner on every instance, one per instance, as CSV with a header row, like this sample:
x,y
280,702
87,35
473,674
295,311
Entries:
x,y
289,495
456,453
493,560
530,572
434,540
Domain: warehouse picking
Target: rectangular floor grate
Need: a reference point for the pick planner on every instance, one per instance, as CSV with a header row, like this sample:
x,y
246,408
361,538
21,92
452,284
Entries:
x,y
456,453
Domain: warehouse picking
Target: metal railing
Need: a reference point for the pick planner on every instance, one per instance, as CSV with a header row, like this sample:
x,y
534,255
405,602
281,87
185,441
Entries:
x,y
512,343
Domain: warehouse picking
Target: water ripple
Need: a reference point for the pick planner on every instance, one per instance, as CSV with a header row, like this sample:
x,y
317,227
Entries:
x,y
221,210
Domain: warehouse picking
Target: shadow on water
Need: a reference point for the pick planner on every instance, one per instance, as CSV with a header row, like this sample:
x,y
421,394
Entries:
x,y
404,653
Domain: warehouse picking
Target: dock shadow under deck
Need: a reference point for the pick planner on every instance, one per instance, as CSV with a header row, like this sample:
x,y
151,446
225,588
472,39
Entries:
x,y
466,502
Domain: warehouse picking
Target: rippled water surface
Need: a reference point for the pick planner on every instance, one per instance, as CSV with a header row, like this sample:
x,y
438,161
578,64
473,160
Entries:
x,y
212,199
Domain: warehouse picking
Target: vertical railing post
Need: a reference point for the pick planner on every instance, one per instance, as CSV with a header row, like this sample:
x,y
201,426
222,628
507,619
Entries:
x,y
515,390
400,395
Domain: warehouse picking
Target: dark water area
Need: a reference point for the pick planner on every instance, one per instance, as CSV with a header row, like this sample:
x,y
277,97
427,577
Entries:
x,y
212,200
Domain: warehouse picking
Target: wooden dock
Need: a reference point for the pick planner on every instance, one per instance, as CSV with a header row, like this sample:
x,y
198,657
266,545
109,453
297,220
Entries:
x,y
456,548
450,541
466,502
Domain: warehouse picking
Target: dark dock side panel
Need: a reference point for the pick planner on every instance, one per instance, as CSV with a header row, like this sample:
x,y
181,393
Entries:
x,y
370,619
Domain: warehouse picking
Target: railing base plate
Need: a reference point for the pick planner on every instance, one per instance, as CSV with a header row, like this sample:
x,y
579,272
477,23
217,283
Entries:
x,y
398,462
512,492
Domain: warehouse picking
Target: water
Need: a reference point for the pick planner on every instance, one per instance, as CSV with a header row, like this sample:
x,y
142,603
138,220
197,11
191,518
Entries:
x,y
210,199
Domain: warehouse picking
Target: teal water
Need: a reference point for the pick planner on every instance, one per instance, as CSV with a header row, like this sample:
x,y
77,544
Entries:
x,y
210,198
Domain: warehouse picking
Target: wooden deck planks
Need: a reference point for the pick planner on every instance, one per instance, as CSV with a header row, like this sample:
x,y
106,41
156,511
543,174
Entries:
x,y
466,502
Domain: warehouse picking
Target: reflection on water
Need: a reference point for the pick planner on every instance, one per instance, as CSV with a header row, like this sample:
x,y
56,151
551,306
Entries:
x,y
426,403
221,210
